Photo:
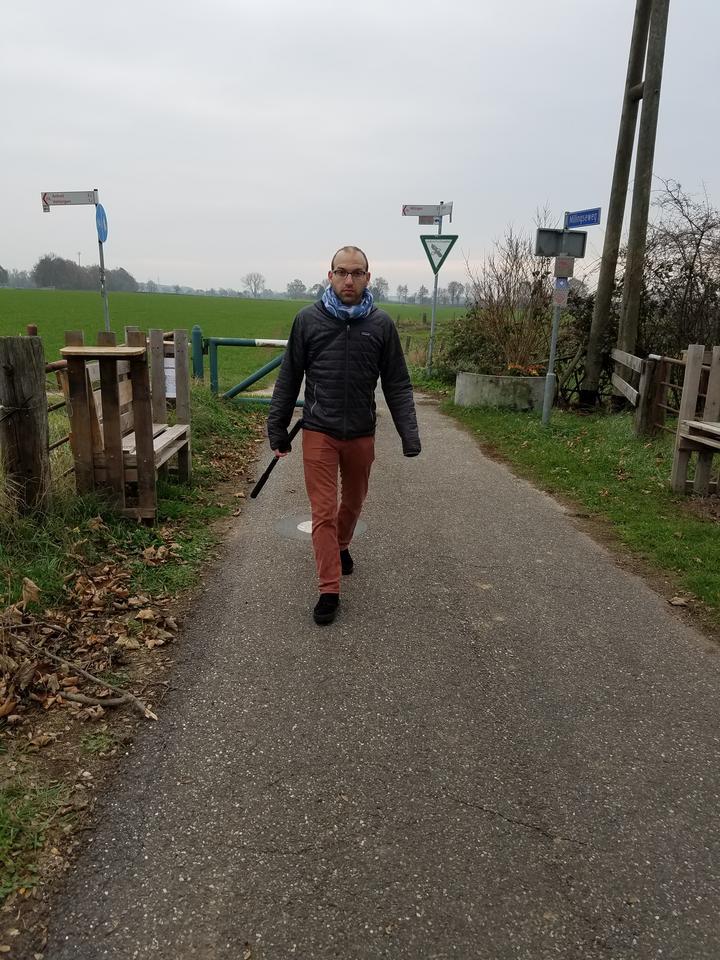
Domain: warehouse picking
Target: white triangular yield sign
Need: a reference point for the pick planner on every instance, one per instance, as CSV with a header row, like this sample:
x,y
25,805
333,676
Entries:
x,y
437,248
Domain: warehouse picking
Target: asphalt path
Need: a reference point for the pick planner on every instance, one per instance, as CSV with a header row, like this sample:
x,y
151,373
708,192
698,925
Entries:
x,y
506,746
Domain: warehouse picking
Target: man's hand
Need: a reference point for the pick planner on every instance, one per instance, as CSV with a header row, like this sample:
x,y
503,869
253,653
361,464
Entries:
x,y
281,453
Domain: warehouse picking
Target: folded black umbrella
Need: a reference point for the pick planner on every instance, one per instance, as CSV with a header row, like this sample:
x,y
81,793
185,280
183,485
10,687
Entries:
x,y
271,466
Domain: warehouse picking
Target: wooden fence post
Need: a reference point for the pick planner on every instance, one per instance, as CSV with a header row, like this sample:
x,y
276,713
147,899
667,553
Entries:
x,y
658,414
688,409
644,426
24,434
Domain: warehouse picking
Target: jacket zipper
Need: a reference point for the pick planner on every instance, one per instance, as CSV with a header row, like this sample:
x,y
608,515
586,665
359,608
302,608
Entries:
x,y
347,357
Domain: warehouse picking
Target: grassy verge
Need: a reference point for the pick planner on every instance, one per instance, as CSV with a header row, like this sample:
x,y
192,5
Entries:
x,y
431,383
76,554
27,815
47,548
599,463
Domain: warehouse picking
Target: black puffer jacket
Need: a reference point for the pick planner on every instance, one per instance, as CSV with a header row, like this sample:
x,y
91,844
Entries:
x,y
341,361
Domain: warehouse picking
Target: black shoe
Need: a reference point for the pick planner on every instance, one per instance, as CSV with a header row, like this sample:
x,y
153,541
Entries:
x,y
346,562
326,608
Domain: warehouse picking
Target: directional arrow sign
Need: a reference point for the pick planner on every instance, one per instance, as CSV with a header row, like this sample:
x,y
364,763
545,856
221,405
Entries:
x,y
437,248
427,210
50,199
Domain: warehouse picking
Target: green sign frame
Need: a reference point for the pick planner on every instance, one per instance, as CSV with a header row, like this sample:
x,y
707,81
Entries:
x,y
427,238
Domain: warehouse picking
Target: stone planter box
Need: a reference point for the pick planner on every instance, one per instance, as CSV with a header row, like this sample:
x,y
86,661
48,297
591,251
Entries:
x,y
506,393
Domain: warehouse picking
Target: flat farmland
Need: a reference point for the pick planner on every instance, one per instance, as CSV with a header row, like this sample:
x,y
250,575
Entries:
x,y
55,311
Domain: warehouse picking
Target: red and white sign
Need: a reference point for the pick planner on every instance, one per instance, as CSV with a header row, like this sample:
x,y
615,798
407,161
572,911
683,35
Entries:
x,y
427,210
50,199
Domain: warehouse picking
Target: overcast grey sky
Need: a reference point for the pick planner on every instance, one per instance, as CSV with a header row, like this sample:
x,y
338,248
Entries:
x,y
226,136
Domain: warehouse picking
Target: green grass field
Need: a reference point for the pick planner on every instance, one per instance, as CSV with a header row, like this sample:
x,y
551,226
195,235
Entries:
x,y
55,311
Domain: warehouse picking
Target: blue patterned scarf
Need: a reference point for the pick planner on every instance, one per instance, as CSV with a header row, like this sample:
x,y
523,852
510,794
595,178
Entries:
x,y
334,305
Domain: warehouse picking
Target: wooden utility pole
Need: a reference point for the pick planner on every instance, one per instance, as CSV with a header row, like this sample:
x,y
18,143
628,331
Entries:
x,y
645,11
24,437
630,312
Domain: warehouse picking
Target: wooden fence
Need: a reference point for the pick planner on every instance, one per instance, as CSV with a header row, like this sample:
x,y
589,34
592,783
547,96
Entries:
x,y
652,385
29,439
24,428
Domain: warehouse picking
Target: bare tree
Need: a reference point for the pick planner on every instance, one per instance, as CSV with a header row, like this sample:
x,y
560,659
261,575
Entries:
x,y
254,283
296,289
379,288
402,292
681,295
510,306
455,291
422,294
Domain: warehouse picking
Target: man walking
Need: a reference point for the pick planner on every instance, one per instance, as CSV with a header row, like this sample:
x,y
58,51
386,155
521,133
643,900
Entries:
x,y
341,345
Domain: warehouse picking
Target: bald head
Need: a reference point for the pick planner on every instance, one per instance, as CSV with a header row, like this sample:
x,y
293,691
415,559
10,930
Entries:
x,y
349,274
349,249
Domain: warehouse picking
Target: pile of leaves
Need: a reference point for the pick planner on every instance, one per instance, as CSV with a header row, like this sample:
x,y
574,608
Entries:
x,y
63,655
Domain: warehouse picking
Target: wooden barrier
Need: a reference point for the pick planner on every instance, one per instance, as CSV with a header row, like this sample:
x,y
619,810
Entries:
x,y
119,431
24,438
698,429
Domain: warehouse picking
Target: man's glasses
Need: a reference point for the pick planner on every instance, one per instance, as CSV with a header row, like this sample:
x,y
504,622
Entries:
x,y
341,273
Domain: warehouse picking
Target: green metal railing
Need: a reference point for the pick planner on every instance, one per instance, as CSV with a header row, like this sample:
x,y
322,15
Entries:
x,y
209,345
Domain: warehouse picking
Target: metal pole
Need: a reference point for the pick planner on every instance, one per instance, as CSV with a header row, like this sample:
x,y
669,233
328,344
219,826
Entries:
x,y
550,376
103,291
434,312
213,357
197,352
616,208
630,311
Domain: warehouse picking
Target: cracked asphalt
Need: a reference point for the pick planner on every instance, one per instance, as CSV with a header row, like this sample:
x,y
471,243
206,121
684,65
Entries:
x,y
505,747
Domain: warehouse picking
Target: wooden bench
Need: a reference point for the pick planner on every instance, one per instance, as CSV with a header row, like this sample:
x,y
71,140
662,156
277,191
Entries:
x,y
119,430
698,429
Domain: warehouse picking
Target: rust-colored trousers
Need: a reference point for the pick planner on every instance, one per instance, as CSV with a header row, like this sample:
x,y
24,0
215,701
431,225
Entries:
x,y
333,528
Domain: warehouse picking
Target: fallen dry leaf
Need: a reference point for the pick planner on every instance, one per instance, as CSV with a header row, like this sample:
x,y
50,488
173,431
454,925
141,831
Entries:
x,y
7,708
679,602
128,643
43,739
30,591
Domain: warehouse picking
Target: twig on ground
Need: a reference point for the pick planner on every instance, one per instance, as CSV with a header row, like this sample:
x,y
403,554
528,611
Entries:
x,y
125,695
94,701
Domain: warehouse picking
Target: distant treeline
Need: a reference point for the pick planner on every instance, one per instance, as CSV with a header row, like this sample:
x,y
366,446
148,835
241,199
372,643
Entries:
x,y
53,271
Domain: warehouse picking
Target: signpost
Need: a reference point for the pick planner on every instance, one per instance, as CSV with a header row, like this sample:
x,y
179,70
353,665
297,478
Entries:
x,y
65,199
427,210
102,232
436,246
583,218
565,245
560,243
70,198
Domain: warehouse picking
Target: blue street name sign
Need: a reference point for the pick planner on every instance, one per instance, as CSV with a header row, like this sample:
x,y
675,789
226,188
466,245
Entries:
x,y
101,223
582,218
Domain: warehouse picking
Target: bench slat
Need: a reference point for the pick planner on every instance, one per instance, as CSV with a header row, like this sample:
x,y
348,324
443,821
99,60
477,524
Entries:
x,y
705,427
163,436
94,353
